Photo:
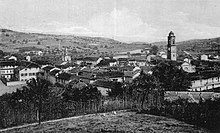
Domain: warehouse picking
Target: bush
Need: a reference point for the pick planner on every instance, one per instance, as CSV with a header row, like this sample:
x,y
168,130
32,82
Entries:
x,y
205,113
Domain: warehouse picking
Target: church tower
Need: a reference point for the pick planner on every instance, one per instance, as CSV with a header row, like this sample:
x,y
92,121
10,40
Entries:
x,y
171,47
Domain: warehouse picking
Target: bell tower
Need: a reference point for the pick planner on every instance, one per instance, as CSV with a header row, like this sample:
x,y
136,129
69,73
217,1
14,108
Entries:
x,y
171,47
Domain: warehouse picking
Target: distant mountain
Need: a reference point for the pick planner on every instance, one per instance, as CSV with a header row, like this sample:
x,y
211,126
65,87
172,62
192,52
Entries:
x,y
12,40
207,46
141,43
197,46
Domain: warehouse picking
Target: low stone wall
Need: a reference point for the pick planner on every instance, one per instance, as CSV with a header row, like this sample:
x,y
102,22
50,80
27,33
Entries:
x,y
13,83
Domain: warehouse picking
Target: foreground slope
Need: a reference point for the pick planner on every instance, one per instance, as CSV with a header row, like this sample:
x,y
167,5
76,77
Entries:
x,y
110,122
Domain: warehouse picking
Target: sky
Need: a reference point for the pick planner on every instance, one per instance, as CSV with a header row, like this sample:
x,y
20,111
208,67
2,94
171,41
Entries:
x,y
124,20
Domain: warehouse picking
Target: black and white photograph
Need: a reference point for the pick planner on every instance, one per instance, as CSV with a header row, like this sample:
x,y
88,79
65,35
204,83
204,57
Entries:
x,y
109,66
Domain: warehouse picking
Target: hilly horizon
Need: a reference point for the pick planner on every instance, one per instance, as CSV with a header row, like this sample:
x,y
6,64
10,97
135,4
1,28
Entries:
x,y
195,46
12,40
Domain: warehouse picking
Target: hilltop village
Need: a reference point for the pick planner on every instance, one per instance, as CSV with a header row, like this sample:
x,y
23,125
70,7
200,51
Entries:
x,y
60,82
62,66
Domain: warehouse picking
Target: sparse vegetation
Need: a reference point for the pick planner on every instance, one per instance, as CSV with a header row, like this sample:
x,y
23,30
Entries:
x,y
42,40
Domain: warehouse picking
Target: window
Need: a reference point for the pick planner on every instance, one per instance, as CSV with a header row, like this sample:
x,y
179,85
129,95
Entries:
x,y
30,74
22,74
34,74
25,74
114,79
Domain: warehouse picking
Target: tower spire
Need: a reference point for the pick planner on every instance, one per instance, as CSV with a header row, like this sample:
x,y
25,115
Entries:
x,y
171,47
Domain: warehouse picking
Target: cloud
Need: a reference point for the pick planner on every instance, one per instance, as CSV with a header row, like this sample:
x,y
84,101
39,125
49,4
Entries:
x,y
183,27
121,23
126,20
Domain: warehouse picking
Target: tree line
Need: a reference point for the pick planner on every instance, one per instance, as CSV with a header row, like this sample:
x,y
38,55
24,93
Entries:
x,y
39,93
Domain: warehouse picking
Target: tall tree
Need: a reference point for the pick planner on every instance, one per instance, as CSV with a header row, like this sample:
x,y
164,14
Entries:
x,y
143,84
117,89
79,91
171,76
154,49
1,53
39,90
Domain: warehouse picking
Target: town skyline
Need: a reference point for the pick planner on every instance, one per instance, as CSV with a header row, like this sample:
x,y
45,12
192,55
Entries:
x,y
127,21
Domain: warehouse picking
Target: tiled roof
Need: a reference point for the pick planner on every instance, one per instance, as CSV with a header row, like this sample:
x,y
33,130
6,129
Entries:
x,y
90,77
123,59
106,62
127,68
129,74
48,68
33,65
75,70
8,63
91,58
64,76
54,72
136,54
112,74
103,83
66,65
24,65
88,58
103,63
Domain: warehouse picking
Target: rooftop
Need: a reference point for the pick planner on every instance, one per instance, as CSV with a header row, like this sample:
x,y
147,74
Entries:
x,y
48,68
54,72
64,76
8,63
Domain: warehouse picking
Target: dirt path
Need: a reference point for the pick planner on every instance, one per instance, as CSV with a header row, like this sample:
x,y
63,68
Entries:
x,y
109,122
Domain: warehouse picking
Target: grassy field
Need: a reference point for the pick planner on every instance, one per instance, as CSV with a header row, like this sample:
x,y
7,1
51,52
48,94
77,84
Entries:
x,y
120,122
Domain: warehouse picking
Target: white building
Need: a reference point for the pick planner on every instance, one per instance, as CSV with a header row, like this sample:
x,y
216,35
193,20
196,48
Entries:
x,y
204,57
40,53
7,69
13,58
187,67
141,62
28,72
90,60
28,58
187,60
205,84
67,58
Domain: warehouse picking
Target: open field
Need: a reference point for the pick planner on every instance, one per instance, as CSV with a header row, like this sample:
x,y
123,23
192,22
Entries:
x,y
109,122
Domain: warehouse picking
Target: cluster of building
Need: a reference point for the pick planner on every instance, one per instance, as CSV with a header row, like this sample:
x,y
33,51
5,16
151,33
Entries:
x,y
204,71
104,70
99,71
